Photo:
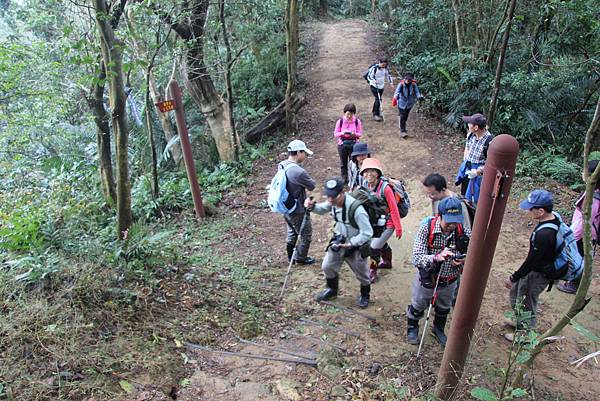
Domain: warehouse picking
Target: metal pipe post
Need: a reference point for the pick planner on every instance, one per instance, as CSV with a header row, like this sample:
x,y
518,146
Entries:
x,y
188,159
497,179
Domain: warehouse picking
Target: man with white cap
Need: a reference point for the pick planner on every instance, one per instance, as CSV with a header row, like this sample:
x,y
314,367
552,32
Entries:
x,y
350,242
298,183
439,254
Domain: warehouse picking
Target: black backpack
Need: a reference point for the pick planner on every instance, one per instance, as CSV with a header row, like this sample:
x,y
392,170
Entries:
x,y
375,208
366,74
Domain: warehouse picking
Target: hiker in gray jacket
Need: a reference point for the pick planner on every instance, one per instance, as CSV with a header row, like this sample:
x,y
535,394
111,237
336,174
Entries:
x,y
298,182
348,244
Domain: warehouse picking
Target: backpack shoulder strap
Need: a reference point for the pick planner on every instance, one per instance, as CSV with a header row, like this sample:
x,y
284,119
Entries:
x,y
431,229
351,212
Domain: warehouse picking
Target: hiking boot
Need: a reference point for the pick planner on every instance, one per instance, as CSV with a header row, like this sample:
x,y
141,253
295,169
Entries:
x,y
377,118
412,332
567,286
365,295
403,134
439,322
331,291
309,260
386,258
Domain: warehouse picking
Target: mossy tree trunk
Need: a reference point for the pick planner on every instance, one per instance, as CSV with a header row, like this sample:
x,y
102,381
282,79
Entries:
x,y
198,81
111,54
292,40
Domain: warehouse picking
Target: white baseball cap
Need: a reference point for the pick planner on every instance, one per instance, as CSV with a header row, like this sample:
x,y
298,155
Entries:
x,y
297,145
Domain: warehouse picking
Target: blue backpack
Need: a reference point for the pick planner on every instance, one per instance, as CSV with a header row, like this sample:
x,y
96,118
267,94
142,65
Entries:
x,y
279,199
568,264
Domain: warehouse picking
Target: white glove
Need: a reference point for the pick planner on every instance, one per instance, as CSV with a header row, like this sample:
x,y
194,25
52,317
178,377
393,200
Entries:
x,y
472,173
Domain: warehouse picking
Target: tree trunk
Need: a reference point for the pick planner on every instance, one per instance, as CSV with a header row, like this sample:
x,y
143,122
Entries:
x,y
500,66
198,82
492,41
229,63
142,52
273,120
111,53
149,106
96,104
292,54
373,6
457,29
323,8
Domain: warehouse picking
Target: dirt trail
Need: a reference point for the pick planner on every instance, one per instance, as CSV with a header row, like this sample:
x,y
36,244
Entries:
x,y
331,84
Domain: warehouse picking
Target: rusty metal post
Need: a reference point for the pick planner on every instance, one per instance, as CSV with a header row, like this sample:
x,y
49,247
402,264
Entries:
x,y
497,179
175,91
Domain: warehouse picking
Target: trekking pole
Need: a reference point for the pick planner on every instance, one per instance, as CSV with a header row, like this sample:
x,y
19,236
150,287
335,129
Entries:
x,y
433,298
293,258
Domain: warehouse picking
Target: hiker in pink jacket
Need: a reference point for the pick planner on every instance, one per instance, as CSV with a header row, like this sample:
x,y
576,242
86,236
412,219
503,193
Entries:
x,y
348,130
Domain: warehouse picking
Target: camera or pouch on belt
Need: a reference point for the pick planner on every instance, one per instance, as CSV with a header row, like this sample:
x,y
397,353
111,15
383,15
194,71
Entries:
x,y
348,144
427,275
335,242
459,256
462,243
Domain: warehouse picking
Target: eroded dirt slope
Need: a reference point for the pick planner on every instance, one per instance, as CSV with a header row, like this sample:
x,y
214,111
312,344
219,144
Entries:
x,y
374,349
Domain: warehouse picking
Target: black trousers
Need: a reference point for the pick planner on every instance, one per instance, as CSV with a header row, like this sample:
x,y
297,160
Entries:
x,y
403,117
344,153
376,105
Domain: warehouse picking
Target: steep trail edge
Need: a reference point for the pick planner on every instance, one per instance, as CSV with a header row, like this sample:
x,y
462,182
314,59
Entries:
x,y
380,356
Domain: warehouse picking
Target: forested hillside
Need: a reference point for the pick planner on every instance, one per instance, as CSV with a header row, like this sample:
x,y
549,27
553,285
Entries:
x,y
108,278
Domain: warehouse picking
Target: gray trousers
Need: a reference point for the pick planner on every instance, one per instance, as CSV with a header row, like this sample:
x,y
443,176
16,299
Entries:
x,y
421,298
305,236
527,292
379,242
332,264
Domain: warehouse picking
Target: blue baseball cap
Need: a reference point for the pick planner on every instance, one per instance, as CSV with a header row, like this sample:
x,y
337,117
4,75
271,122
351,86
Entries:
x,y
451,210
537,198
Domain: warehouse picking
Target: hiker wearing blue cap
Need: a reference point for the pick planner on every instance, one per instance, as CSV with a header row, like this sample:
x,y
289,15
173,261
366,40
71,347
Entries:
x,y
360,152
529,281
439,254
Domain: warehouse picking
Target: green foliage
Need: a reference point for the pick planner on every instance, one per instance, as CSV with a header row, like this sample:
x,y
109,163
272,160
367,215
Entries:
x,y
549,164
541,102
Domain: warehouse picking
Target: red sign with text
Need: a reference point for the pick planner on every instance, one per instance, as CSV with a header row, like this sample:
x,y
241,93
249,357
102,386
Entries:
x,y
167,105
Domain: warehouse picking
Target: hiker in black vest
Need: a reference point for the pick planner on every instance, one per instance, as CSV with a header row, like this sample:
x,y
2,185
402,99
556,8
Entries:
x,y
405,96
350,242
528,282
348,130
298,182
360,152
377,75
439,254
474,157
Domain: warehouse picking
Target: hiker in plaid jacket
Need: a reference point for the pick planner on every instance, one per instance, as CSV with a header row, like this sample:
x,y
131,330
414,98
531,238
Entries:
x,y
439,254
